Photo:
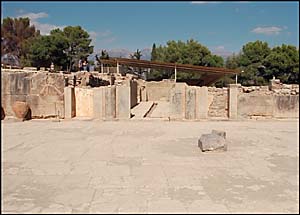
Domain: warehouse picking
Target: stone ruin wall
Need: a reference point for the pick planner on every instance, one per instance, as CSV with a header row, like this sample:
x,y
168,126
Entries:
x,y
44,92
274,101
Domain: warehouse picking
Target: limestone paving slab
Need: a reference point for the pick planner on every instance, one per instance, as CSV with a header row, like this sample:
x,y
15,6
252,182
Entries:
x,y
149,167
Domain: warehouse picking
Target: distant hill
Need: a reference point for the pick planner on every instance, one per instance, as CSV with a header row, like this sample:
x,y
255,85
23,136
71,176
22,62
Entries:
x,y
146,53
123,53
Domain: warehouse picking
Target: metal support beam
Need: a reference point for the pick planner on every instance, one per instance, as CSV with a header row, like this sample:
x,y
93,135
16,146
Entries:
x,y
175,73
118,70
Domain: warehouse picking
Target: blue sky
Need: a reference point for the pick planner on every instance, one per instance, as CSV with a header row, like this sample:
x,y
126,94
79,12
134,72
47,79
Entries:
x,y
224,27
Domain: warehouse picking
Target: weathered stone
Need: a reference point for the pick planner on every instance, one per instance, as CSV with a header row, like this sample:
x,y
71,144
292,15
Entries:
x,y
30,68
22,110
123,102
2,113
110,102
218,103
190,103
159,91
233,100
220,133
285,91
212,142
202,103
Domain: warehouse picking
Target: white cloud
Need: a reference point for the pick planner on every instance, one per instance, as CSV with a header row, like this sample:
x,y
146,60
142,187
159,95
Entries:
x,y
93,36
35,16
102,38
272,30
44,28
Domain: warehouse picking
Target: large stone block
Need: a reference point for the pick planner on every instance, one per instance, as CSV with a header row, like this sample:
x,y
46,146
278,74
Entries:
x,y
110,102
69,102
19,83
123,102
202,102
45,83
233,100
5,83
84,102
190,103
159,91
133,93
255,105
99,102
38,82
220,133
286,106
212,142
177,101
43,107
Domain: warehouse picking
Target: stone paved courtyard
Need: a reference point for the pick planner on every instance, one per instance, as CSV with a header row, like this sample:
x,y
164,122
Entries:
x,y
148,167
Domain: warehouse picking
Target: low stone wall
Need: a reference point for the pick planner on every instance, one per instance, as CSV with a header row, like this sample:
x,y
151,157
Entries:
x,y
188,102
43,91
105,102
268,101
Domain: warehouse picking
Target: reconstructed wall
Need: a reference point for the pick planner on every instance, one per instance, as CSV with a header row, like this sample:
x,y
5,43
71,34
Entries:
x,y
90,95
105,102
43,91
234,102
188,102
261,101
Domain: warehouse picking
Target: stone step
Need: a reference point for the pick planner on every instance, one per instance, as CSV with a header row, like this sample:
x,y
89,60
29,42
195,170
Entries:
x,y
140,110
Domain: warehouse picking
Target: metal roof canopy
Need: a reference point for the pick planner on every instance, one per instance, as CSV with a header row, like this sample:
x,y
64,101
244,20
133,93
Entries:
x,y
211,74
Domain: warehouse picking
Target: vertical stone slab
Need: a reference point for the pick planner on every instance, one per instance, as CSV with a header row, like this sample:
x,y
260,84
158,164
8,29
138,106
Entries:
x,y
233,100
98,102
69,102
177,101
84,102
133,93
190,103
110,102
202,103
123,102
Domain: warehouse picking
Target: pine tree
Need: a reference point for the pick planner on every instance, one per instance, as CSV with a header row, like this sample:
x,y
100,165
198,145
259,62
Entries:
x,y
153,53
